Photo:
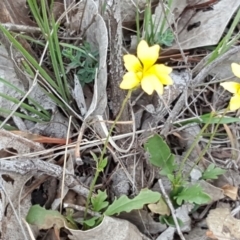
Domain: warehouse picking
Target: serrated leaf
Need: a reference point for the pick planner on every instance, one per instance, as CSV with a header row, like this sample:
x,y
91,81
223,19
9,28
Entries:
x,y
160,154
99,202
124,204
192,194
43,218
212,172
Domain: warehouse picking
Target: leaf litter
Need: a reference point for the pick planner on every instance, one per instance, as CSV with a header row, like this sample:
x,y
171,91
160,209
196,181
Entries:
x,y
25,163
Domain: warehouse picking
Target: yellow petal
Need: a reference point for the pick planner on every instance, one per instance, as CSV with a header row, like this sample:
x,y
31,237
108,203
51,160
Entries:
x,y
147,55
150,83
132,63
130,81
232,87
165,79
161,71
236,69
234,102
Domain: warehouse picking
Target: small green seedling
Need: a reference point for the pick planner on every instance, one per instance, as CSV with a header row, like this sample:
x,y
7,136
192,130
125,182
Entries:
x,y
45,219
83,60
161,156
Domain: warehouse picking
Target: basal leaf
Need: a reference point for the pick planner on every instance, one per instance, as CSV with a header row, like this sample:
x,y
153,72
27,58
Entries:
x,y
43,218
124,204
160,154
192,194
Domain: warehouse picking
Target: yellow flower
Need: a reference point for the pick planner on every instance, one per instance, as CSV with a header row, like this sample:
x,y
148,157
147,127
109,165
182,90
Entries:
x,y
143,71
234,88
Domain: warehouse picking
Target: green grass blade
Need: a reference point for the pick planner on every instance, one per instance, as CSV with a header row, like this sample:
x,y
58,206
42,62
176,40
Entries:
x,y
33,102
21,115
25,106
32,60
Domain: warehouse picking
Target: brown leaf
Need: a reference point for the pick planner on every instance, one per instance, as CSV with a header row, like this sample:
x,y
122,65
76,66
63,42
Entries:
x,y
15,12
230,191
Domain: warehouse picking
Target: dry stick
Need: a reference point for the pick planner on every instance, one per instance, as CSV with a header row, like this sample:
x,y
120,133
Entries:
x,y
29,229
197,80
81,209
171,209
78,158
25,166
21,28
64,163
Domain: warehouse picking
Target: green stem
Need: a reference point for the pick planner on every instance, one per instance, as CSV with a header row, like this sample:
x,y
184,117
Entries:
x,y
114,123
192,147
93,183
209,142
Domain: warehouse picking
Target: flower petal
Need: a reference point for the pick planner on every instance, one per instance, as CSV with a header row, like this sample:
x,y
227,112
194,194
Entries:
x,y
236,69
130,81
165,79
234,102
232,87
150,83
132,63
161,71
147,55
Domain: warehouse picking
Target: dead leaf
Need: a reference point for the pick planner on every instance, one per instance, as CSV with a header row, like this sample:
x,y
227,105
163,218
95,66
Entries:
x,y
205,26
160,207
110,228
215,193
230,191
15,12
18,143
223,225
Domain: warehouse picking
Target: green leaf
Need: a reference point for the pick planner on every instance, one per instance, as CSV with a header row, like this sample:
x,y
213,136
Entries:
x,y
124,204
166,38
160,154
91,222
99,202
94,156
102,164
209,118
212,172
192,194
43,218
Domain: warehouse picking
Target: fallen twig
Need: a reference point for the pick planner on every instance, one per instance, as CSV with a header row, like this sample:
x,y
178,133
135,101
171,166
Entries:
x,y
169,203
25,166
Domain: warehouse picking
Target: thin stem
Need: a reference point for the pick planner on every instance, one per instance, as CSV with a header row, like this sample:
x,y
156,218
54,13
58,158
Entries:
x,y
114,124
192,147
93,183
209,142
